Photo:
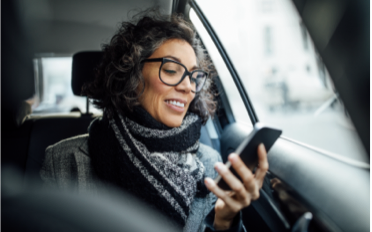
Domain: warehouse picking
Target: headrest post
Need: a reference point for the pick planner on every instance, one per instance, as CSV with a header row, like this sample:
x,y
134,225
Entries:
x,y
87,105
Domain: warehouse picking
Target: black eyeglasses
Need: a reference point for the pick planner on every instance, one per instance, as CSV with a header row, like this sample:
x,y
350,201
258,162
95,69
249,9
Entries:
x,y
173,73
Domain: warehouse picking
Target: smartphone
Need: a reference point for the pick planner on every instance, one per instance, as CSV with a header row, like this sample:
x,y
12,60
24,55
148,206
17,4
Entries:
x,y
247,150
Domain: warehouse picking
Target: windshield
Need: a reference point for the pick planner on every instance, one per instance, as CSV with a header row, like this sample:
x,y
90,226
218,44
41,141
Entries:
x,y
284,76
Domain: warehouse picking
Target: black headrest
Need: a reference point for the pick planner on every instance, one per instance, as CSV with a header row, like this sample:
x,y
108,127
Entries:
x,y
83,65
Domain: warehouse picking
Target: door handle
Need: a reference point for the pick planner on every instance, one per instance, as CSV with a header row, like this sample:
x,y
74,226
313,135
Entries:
x,y
302,224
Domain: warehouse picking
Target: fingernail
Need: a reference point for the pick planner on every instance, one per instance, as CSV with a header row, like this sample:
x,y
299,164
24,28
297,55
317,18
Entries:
x,y
208,182
220,167
262,147
233,157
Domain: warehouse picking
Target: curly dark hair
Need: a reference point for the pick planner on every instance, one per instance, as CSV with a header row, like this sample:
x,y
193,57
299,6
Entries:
x,y
120,73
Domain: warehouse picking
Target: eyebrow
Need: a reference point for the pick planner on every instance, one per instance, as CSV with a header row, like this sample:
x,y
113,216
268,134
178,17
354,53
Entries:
x,y
178,60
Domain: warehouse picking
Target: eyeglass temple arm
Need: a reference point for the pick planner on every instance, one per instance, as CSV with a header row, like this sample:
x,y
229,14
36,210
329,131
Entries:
x,y
153,60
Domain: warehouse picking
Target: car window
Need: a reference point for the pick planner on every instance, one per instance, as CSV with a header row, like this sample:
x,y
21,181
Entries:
x,y
230,90
53,93
284,76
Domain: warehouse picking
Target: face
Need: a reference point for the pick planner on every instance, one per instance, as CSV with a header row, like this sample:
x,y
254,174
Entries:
x,y
158,98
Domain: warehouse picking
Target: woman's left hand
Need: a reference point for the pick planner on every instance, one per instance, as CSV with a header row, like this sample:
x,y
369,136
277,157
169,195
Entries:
x,y
230,203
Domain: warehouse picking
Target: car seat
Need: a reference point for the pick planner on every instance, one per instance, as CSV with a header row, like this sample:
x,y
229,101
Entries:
x,y
51,129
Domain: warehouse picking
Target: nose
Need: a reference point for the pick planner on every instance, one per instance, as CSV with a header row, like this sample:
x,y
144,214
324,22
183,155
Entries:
x,y
185,85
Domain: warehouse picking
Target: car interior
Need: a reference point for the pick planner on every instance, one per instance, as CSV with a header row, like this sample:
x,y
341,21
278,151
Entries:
x,y
306,189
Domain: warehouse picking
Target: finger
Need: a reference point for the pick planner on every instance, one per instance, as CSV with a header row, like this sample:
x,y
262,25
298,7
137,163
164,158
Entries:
x,y
263,165
223,195
274,182
243,171
235,184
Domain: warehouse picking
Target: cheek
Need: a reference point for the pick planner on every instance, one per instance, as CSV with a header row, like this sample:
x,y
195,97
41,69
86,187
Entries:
x,y
191,97
154,93
157,88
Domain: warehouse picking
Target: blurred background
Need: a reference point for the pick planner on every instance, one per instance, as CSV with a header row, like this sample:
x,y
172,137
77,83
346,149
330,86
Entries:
x,y
287,82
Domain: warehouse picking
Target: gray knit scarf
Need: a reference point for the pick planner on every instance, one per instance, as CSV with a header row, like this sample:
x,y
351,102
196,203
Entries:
x,y
153,162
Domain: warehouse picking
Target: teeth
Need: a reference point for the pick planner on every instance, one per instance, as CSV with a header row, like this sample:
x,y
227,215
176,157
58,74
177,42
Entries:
x,y
179,104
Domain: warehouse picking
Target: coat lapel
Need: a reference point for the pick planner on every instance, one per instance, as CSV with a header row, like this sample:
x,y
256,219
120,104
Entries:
x,y
84,147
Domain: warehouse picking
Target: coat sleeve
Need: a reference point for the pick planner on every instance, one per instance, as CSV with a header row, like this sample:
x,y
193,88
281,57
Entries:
x,y
237,225
47,172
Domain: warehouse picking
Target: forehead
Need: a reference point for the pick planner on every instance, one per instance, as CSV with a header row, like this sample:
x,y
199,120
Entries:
x,y
177,48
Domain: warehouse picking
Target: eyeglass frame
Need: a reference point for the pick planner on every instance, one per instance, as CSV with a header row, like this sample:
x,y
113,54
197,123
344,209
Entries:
x,y
186,73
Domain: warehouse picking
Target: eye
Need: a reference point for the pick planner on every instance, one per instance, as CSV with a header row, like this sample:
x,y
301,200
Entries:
x,y
169,71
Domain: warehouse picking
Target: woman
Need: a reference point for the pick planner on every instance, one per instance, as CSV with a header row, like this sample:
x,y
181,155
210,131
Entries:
x,y
155,92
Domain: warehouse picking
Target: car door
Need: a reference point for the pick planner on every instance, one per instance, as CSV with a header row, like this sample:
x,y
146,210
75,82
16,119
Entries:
x,y
313,183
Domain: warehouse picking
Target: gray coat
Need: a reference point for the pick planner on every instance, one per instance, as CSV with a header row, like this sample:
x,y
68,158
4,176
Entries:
x,y
67,166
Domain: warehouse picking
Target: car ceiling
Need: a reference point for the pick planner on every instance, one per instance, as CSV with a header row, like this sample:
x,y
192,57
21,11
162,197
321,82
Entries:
x,y
65,27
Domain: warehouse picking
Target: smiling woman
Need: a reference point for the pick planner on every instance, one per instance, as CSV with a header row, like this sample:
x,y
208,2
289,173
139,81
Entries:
x,y
155,92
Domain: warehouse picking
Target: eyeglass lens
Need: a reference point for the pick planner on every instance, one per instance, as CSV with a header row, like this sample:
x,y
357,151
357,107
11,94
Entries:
x,y
171,73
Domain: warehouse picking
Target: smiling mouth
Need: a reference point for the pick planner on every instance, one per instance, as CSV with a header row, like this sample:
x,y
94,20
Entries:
x,y
176,103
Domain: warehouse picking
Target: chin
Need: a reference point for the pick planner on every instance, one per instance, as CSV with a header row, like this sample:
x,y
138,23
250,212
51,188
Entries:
x,y
173,121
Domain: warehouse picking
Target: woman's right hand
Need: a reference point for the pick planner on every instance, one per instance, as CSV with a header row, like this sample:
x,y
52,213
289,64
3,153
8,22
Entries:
x,y
230,203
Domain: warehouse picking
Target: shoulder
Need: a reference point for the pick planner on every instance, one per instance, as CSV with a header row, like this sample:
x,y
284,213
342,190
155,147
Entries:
x,y
69,150
69,145
67,154
67,163
208,156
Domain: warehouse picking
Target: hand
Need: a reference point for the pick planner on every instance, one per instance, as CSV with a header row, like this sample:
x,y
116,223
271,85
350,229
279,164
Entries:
x,y
229,203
